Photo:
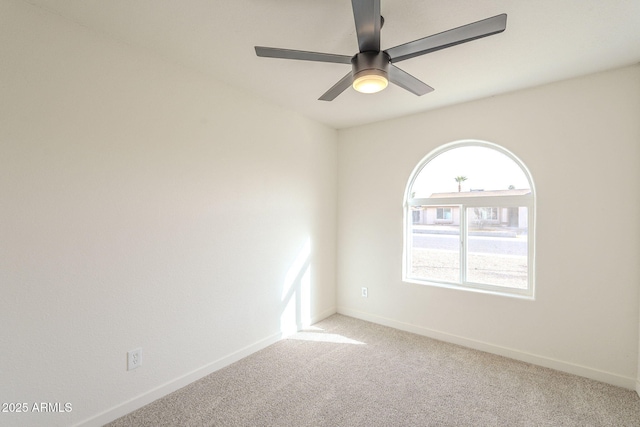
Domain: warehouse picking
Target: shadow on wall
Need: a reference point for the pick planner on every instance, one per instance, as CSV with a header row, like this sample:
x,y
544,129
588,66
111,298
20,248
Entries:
x,y
296,304
296,293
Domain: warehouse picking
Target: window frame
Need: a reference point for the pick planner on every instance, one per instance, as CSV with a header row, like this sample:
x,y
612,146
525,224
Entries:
x,y
480,201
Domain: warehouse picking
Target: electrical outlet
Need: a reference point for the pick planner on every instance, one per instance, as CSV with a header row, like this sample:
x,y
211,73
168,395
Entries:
x,y
365,292
134,359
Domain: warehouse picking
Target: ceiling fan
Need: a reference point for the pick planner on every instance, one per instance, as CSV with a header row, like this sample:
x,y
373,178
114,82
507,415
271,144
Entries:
x,y
371,68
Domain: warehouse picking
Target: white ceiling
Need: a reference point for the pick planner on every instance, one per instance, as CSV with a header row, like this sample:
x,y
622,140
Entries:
x,y
545,41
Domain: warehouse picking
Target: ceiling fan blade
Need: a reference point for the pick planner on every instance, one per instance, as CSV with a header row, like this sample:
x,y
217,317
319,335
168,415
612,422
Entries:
x,y
337,88
466,33
367,16
407,81
272,52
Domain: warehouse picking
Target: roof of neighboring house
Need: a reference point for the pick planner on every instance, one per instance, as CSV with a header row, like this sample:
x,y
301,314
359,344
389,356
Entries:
x,y
482,193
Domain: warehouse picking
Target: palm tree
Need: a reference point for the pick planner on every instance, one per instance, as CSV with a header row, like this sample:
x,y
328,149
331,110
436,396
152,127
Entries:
x,y
459,180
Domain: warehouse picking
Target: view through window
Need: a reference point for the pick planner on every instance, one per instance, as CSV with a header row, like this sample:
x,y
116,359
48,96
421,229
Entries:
x,y
469,220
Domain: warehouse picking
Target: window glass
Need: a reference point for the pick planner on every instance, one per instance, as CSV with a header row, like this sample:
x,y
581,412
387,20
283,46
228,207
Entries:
x,y
436,256
469,220
443,214
497,255
478,169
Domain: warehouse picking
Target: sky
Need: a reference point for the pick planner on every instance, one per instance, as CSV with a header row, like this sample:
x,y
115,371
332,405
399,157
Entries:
x,y
485,169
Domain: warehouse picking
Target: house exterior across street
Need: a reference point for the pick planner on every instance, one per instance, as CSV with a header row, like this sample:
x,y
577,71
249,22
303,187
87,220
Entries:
x,y
490,216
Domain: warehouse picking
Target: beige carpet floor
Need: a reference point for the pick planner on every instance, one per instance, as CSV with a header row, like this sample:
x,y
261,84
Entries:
x,y
347,372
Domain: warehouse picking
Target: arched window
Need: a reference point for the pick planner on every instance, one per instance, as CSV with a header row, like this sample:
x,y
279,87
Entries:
x,y
470,220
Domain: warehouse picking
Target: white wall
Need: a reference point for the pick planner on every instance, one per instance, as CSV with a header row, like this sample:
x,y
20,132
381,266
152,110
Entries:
x,y
145,205
581,141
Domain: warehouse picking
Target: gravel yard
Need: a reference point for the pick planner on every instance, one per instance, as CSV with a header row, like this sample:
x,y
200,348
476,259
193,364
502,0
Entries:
x,y
443,265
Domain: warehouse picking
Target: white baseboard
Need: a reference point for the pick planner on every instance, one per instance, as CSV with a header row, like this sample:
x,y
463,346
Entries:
x,y
547,362
173,385
322,316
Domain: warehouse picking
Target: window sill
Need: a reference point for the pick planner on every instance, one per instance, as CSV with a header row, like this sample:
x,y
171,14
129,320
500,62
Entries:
x,y
521,296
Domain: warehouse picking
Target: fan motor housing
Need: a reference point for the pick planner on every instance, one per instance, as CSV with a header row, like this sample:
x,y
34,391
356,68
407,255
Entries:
x,y
370,63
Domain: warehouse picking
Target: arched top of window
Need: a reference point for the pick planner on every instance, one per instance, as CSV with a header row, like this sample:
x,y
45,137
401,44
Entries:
x,y
477,167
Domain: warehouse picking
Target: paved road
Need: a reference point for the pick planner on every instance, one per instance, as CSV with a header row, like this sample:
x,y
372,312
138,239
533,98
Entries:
x,y
481,244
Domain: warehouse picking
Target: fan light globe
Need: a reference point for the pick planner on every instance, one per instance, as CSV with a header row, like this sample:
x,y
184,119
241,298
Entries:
x,y
370,83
